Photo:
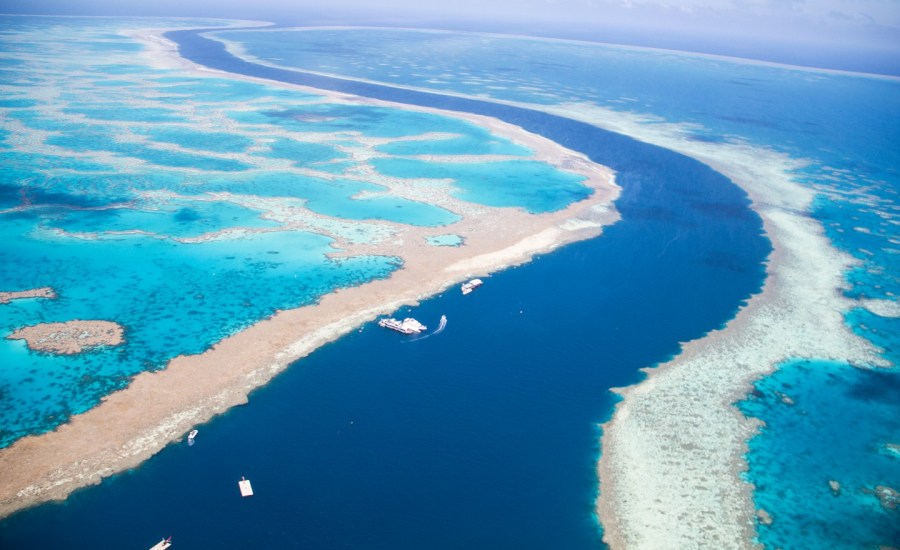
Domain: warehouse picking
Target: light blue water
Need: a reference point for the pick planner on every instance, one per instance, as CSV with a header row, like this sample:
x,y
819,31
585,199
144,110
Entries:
x,y
126,113
445,240
199,90
346,119
304,153
87,140
845,126
531,185
171,298
108,164
838,428
335,197
217,142
164,218
479,143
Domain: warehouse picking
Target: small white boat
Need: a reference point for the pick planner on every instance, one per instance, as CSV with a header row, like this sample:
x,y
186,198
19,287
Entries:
x,y
191,436
246,488
162,545
471,285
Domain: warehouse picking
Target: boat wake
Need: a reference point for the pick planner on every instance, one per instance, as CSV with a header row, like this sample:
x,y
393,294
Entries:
x,y
441,326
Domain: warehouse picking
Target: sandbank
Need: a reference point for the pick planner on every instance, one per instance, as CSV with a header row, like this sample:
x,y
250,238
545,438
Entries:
x,y
70,337
43,292
131,425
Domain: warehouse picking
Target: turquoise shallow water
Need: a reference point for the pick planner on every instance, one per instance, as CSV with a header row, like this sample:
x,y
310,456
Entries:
x,y
445,240
476,143
180,219
172,298
217,142
826,422
113,168
304,153
531,185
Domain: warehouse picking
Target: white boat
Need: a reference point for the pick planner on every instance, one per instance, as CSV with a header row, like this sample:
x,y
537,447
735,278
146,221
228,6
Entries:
x,y
191,436
471,285
246,488
162,545
406,326
414,325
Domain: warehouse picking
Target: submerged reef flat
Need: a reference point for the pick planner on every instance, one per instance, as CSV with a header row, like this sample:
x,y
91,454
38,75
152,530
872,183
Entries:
x,y
334,241
70,337
43,292
673,453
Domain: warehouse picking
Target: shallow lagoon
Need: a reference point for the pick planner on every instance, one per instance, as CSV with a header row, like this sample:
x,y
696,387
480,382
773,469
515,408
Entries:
x,y
111,169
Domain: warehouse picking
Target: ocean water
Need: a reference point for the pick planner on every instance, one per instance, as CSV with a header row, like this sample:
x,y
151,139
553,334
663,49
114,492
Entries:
x,y
484,435
336,197
217,142
165,218
445,240
304,153
477,144
531,185
835,423
844,126
133,192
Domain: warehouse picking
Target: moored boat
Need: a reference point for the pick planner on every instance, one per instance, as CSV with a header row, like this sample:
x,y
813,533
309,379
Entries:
x,y
162,545
406,326
471,285
246,488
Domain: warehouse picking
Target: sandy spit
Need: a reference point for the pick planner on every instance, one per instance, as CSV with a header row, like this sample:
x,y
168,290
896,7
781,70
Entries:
x,y
43,292
70,337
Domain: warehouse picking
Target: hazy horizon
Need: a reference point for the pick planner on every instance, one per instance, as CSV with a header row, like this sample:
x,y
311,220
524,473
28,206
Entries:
x,y
859,36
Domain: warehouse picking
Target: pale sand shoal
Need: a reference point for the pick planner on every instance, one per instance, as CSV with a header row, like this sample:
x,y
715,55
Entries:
x,y
673,453
131,425
70,337
43,292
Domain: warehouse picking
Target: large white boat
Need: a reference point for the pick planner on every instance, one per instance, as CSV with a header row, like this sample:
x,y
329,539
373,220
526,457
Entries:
x,y
406,326
471,285
414,325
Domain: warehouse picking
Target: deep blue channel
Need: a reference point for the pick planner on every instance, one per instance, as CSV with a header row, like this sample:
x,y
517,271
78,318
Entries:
x,y
484,436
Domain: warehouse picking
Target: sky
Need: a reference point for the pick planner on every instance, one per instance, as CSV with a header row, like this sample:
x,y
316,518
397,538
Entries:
x,y
846,34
